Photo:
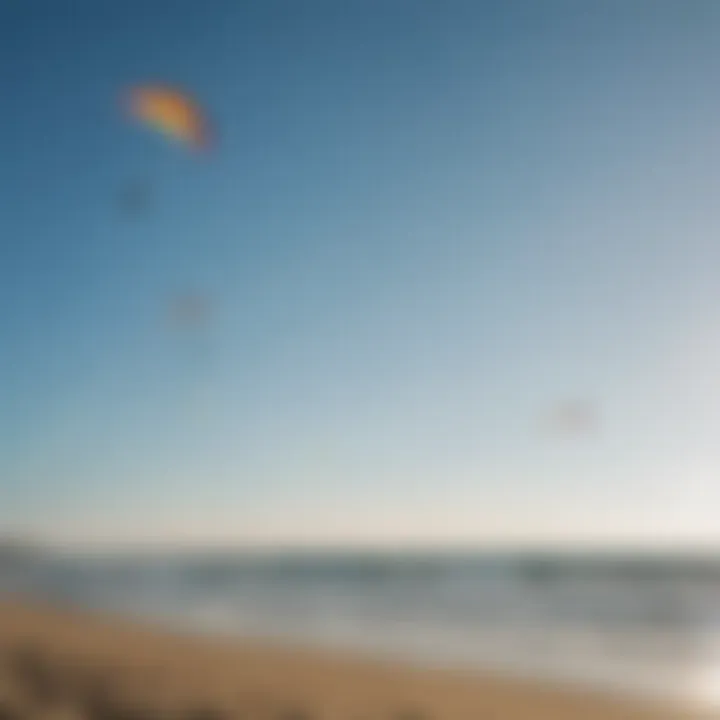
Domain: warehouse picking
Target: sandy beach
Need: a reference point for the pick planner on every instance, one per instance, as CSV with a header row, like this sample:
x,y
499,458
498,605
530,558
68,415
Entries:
x,y
61,663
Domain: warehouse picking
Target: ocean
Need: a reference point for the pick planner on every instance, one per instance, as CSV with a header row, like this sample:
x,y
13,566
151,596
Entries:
x,y
635,623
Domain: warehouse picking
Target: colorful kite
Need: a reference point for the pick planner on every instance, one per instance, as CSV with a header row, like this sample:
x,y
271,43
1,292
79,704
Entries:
x,y
172,112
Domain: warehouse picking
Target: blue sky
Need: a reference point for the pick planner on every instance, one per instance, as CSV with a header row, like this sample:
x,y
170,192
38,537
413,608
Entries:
x,y
426,225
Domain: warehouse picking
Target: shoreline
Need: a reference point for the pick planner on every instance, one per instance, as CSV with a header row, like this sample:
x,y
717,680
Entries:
x,y
252,678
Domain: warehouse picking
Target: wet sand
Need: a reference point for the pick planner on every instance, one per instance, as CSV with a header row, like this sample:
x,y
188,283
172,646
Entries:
x,y
65,665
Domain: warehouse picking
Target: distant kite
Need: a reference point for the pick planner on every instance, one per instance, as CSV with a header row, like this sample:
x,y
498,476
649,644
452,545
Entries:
x,y
190,311
572,419
188,317
136,199
172,112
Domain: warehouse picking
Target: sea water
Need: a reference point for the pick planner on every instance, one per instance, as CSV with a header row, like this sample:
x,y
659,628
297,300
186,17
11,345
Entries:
x,y
643,624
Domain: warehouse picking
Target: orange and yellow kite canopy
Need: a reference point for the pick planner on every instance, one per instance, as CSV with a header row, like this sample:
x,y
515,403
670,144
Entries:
x,y
172,112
